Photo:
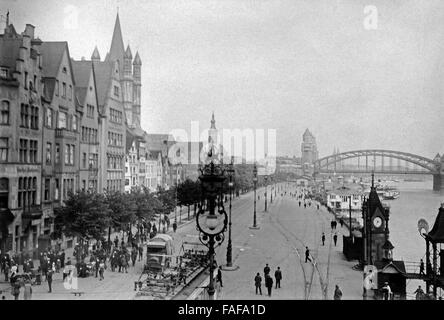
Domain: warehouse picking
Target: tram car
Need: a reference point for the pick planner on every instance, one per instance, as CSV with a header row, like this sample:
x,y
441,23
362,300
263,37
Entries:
x,y
160,250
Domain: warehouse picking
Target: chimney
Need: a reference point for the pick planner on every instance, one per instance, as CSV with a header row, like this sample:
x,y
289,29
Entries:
x,y
29,30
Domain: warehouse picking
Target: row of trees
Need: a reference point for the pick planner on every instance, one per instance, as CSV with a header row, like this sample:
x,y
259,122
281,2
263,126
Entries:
x,y
88,215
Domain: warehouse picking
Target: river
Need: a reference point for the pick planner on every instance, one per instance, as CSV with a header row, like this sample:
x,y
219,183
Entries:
x,y
417,200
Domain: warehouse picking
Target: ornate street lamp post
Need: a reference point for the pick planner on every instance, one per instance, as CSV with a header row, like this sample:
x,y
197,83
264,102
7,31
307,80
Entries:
x,y
271,189
265,179
230,188
213,223
254,208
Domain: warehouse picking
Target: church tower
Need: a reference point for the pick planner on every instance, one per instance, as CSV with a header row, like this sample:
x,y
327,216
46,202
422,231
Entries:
x,y
131,79
127,86
137,70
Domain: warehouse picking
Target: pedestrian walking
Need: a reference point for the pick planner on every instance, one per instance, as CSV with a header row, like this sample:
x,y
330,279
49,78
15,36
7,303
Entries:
x,y
258,283
101,269
219,276
335,238
337,294
421,267
134,256
27,294
278,277
307,255
305,205
49,279
386,291
266,270
419,293
341,222
299,203
174,226
332,224
16,290
269,284
323,238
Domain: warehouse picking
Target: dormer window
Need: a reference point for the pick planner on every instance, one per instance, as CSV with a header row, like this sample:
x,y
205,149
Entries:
x,y
64,69
4,72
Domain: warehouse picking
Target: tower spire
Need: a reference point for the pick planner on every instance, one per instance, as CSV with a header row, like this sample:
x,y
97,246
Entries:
x,y
117,50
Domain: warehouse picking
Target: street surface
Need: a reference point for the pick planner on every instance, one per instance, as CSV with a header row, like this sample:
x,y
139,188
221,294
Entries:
x,y
284,232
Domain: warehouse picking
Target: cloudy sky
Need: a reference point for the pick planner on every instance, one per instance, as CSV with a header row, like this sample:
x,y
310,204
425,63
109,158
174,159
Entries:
x,y
269,64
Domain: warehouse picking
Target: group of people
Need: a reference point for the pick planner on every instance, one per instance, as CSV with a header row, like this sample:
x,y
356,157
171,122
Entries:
x,y
335,238
268,280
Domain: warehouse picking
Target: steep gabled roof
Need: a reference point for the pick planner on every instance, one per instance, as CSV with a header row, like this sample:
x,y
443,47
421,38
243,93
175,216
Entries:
x,y
103,71
95,54
52,55
9,52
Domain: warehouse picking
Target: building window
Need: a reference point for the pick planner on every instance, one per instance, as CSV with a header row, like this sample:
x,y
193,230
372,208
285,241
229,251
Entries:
x,y
57,153
89,111
49,118
64,90
48,152
4,192
23,154
84,160
69,154
4,72
34,117
27,191
4,112
70,93
57,88
57,189
116,91
62,120
24,115
33,151
74,123
26,80
4,149
47,190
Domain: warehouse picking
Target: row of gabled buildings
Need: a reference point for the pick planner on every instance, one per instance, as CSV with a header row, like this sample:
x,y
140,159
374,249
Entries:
x,y
68,125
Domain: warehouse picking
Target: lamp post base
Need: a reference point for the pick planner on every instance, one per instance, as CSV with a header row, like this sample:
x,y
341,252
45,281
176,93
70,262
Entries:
x,y
230,268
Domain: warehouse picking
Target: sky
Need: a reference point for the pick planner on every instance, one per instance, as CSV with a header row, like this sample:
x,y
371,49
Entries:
x,y
357,74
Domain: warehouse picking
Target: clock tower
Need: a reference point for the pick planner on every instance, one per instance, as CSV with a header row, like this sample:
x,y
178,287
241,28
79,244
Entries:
x,y
376,226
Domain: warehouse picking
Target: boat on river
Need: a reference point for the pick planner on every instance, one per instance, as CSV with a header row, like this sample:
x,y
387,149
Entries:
x,y
390,195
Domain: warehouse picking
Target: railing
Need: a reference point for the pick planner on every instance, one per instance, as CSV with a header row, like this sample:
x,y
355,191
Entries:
x,y
64,133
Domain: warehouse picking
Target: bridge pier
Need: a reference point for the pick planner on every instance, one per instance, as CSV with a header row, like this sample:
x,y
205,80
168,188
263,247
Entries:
x,y
438,182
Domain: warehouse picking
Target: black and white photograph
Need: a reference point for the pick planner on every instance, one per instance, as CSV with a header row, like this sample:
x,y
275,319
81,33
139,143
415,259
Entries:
x,y
243,151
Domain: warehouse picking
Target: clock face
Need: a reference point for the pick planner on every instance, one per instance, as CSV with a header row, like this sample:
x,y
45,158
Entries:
x,y
377,222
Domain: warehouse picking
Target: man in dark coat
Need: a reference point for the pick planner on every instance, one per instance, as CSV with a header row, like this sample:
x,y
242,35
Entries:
x,y
307,254
258,283
49,279
219,276
278,277
337,294
335,238
266,270
323,238
269,284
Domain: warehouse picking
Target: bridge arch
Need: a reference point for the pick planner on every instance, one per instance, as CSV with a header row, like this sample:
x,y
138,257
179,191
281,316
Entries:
x,y
430,165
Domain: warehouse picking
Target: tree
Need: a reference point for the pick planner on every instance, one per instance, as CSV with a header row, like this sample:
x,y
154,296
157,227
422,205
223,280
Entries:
x,y
85,215
122,211
187,193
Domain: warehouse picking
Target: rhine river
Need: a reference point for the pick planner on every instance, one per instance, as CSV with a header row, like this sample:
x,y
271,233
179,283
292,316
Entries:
x,y
417,200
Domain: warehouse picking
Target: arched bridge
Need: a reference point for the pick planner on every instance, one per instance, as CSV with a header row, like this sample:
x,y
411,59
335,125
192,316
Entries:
x,y
367,162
